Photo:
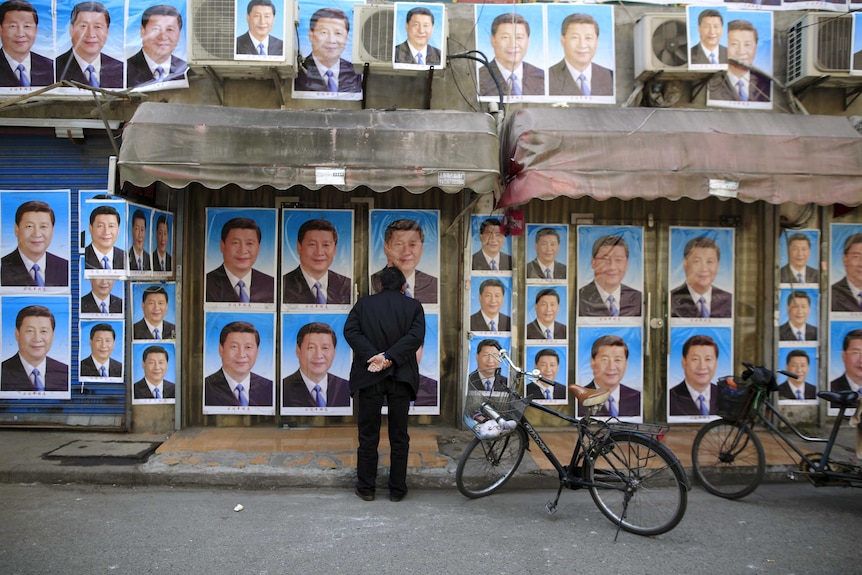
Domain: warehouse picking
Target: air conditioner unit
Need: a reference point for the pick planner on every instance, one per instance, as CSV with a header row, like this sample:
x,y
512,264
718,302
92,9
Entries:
x,y
211,37
661,45
374,37
818,50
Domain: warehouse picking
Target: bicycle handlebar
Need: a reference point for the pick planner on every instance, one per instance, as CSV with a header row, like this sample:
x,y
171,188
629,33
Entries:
x,y
504,355
752,367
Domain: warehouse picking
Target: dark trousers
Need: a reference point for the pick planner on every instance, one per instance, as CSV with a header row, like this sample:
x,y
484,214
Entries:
x,y
370,401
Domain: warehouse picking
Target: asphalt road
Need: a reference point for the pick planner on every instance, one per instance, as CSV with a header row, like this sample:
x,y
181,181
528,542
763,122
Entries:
x,y
78,529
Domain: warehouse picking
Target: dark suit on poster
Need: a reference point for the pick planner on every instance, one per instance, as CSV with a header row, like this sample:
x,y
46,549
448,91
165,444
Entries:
x,y
138,71
474,381
759,88
424,288
142,391
535,270
698,57
839,384
785,391
681,402
41,72
133,261
13,376
403,55
477,322
141,331
245,44
88,368
295,393
217,391
504,262
787,333
157,265
91,261
590,302
310,79
857,60
219,287
532,84
13,272
110,75
561,82
295,289
535,391
88,304
629,403
534,331
427,393
785,275
842,298
682,305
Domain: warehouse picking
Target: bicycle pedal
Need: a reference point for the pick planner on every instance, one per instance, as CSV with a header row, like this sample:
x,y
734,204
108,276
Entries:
x,y
551,507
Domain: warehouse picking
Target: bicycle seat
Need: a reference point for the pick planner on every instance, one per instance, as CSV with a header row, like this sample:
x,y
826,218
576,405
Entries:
x,y
845,398
589,397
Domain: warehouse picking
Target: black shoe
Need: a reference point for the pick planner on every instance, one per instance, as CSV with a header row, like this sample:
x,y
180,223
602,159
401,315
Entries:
x,y
396,498
363,496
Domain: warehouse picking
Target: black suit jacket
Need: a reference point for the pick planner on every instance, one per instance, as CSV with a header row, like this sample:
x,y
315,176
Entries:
x,y
535,270
142,391
698,57
133,261
219,287
217,391
13,272
786,333
13,376
88,368
786,392
785,275
91,262
245,44
310,80
403,55
590,302
759,89
157,266
838,384
857,60
474,381
295,289
630,403
138,72
88,304
504,262
532,84
681,402
477,322
294,392
561,83
534,391
682,304
387,322
424,290
534,331
140,330
42,73
110,75
842,298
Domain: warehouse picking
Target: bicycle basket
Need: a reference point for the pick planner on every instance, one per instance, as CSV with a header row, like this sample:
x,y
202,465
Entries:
x,y
734,396
493,414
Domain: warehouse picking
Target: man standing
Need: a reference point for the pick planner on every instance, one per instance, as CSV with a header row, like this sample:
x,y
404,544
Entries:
x,y
324,70
101,254
606,295
710,27
847,292
490,257
739,83
797,270
154,385
546,326
100,363
510,39
492,294
260,16
19,66
609,359
797,363
235,384
487,376
403,244
696,394
797,327
312,282
416,50
161,27
84,62
312,385
385,330
162,259
100,299
31,369
576,74
236,280
153,325
139,258
697,297
32,264
546,265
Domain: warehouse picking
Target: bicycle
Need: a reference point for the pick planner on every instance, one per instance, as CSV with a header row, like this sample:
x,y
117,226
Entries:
x,y
634,480
727,456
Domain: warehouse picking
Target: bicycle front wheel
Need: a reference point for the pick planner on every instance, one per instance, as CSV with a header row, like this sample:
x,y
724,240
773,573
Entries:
x,y
487,464
728,459
641,485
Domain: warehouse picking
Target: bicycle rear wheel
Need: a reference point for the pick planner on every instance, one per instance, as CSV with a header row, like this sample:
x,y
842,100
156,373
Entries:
x,y
728,459
643,487
486,464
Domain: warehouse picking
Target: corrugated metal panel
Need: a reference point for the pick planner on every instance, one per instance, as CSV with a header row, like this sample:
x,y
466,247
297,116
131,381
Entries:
x,y
35,159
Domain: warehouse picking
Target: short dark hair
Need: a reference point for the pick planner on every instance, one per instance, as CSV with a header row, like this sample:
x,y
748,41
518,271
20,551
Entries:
x,y
403,225
238,327
89,7
851,241
316,224
239,224
392,279
547,232
489,222
799,237
154,349
162,219
851,335
102,327
547,291
737,25
709,13
488,343
608,340
139,215
34,311
161,10
699,340
315,327
797,353
546,351
331,14
794,295
254,3
419,11
18,6
578,19
32,205
700,242
509,18
610,240
104,210
154,290
491,282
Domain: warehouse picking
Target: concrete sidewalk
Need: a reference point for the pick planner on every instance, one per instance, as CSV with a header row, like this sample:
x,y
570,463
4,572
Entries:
x,y
266,458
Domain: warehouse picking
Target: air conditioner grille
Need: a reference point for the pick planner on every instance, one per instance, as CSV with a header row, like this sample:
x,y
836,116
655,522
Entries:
x,y
213,30
377,34
833,43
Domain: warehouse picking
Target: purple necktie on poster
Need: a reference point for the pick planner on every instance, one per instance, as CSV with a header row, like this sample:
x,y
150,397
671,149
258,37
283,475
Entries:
x,y
799,278
260,50
330,82
585,86
419,59
740,87
407,291
516,86
488,385
103,307
701,402
156,334
105,263
704,310
140,264
22,76
547,333
798,394
37,277
318,396
318,293
243,294
157,393
712,59
799,335
494,266
548,275
37,381
612,407
615,311
102,371
160,75
92,78
240,396
548,394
